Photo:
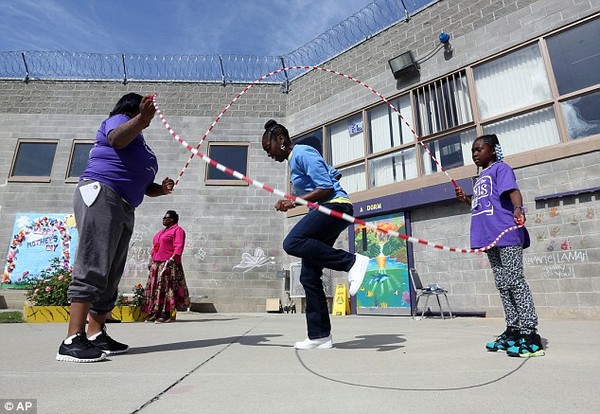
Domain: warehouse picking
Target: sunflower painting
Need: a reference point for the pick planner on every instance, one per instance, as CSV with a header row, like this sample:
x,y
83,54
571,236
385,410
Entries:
x,y
386,283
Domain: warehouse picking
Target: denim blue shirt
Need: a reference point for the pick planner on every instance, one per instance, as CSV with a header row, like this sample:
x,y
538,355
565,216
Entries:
x,y
309,171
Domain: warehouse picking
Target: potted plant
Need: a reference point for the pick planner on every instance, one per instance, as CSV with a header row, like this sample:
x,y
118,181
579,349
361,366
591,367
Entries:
x,y
47,294
47,297
129,306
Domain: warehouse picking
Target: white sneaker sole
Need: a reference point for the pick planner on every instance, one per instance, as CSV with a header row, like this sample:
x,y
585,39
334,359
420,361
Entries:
x,y
68,358
326,345
107,352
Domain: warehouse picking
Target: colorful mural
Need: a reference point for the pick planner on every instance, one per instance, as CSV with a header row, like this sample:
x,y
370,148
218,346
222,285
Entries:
x,y
36,239
386,284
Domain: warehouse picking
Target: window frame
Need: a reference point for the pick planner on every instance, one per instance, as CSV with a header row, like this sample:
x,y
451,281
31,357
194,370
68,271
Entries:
x,y
565,146
31,178
75,179
227,182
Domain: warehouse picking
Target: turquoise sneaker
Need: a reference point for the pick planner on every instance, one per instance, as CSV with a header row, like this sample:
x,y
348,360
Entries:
x,y
504,341
527,346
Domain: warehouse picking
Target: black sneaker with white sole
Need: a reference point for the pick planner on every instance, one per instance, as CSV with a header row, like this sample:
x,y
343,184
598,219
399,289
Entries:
x,y
80,349
106,344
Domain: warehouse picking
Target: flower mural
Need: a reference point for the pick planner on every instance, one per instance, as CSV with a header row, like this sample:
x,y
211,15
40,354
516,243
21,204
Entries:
x,y
37,239
386,282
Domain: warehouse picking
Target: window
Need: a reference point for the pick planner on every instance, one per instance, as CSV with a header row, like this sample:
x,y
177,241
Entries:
x,y
353,178
511,82
233,155
539,95
392,168
582,115
33,161
346,139
525,132
314,139
575,58
443,104
386,128
80,152
451,151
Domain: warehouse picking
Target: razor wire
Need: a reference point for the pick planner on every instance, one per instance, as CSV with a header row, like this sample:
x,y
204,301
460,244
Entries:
x,y
83,66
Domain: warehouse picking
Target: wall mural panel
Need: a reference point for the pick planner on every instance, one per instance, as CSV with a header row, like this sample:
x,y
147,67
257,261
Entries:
x,y
36,240
385,288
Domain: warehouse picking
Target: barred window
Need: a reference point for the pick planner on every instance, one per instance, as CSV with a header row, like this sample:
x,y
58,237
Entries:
x,y
443,104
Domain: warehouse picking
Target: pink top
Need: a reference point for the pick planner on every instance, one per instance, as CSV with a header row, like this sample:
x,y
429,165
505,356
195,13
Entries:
x,y
168,242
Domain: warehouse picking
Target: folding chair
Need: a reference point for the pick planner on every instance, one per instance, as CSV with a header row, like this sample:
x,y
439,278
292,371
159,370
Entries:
x,y
432,290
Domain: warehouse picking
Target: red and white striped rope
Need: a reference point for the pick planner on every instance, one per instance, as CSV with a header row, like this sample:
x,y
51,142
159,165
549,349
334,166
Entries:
x,y
325,210
327,70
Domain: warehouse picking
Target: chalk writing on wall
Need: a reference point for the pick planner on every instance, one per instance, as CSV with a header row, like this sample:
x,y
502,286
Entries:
x,y
558,264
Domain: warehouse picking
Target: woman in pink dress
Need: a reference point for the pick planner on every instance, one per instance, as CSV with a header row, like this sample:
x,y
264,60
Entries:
x,y
166,289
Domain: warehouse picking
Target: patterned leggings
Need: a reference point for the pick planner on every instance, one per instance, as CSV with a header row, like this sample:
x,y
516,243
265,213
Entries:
x,y
507,266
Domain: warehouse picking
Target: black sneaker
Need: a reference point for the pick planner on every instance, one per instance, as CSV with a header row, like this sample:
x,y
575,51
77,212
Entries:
x,y
527,346
504,341
109,345
79,350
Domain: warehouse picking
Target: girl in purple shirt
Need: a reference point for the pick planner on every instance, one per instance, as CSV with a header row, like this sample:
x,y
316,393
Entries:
x,y
496,205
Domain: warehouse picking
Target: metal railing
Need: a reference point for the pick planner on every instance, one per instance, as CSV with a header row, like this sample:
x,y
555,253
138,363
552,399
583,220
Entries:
x,y
72,66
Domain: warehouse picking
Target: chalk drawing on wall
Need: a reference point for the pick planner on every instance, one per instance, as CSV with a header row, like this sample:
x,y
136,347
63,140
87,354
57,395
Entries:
x,y
250,262
193,246
138,254
590,214
36,240
557,264
539,219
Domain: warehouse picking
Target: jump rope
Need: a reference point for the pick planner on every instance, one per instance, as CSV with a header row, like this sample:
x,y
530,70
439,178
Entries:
x,y
324,210
299,200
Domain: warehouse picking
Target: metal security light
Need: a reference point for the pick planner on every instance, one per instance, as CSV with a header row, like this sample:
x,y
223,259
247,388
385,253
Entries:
x,y
404,65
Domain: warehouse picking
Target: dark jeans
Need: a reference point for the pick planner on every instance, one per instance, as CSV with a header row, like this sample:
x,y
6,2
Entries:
x,y
312,240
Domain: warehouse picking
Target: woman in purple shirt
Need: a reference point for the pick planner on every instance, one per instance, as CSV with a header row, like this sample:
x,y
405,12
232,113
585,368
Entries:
x,y
166,289
496,205
120,171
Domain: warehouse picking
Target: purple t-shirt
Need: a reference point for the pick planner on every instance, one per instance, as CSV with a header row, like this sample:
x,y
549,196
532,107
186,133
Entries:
x,y
492,210
129,171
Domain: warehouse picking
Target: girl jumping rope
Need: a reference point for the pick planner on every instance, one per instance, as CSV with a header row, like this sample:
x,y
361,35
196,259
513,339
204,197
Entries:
x,y
496,205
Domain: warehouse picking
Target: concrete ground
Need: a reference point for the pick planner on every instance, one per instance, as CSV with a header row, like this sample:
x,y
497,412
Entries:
x,y
245,363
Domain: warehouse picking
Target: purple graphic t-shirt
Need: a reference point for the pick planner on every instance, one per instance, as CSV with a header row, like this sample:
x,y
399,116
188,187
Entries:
x,y
129,171
492,210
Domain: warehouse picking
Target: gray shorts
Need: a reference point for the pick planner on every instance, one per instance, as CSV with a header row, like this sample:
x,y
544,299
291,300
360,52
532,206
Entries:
x,y
105,228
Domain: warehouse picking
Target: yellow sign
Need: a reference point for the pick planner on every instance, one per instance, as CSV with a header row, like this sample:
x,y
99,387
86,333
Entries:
x,y
341,304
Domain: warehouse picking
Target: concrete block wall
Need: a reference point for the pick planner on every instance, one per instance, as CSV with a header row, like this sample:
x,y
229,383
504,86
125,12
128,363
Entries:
x,y
478,30
223,224
560,265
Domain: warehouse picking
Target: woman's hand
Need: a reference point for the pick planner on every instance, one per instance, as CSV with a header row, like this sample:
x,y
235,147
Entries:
x,y
284,205
155,189
167,185
147,110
